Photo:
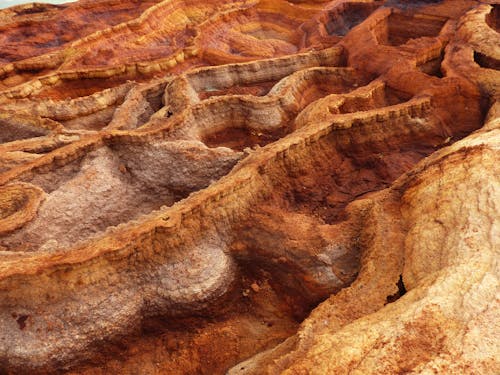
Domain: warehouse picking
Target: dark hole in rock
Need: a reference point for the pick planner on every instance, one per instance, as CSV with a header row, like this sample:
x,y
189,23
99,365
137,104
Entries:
x,y
485,61
21,321
400,293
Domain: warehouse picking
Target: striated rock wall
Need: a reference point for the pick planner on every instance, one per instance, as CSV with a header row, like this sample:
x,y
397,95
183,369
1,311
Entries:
x,y
254,187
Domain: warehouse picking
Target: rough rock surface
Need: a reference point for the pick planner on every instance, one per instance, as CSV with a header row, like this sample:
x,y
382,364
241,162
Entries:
x,y
250,187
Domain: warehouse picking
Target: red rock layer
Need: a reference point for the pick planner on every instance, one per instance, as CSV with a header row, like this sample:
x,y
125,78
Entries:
x,y
249,187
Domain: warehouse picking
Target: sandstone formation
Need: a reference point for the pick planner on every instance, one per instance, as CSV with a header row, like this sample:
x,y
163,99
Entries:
x,y
250,187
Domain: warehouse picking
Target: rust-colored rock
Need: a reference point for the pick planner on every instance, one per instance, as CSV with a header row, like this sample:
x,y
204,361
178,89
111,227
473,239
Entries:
x,y
250,187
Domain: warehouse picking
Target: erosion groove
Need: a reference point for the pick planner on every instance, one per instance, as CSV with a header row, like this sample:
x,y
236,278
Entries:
x,y
250,187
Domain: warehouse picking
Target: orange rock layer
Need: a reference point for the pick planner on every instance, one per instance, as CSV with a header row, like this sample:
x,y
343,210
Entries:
x,y
250,187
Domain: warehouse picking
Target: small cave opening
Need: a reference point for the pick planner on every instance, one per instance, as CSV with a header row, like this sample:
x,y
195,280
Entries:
x,y
400,293
21,320
485,61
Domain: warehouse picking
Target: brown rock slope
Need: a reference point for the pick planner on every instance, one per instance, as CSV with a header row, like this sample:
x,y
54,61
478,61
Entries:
x,y
251,187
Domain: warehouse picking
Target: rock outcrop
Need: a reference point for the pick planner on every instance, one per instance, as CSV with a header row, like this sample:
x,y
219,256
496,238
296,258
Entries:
x,y
251,187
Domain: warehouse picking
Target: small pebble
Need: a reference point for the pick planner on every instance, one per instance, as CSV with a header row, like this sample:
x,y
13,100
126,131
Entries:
x,y
255,287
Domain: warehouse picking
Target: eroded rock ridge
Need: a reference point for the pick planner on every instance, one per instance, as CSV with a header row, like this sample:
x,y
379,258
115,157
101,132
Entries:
x,y
251,187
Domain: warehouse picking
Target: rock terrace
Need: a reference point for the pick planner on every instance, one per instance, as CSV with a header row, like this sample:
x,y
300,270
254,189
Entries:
x,y
250,187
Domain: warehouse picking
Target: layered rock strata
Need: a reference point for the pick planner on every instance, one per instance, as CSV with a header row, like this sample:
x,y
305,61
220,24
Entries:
x,y
250,187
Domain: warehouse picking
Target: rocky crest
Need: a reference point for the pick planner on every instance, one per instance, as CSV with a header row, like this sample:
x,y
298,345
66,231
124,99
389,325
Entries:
x,y
251,187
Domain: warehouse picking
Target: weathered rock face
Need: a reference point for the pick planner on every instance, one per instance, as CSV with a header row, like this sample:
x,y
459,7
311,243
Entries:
x,y
252,187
